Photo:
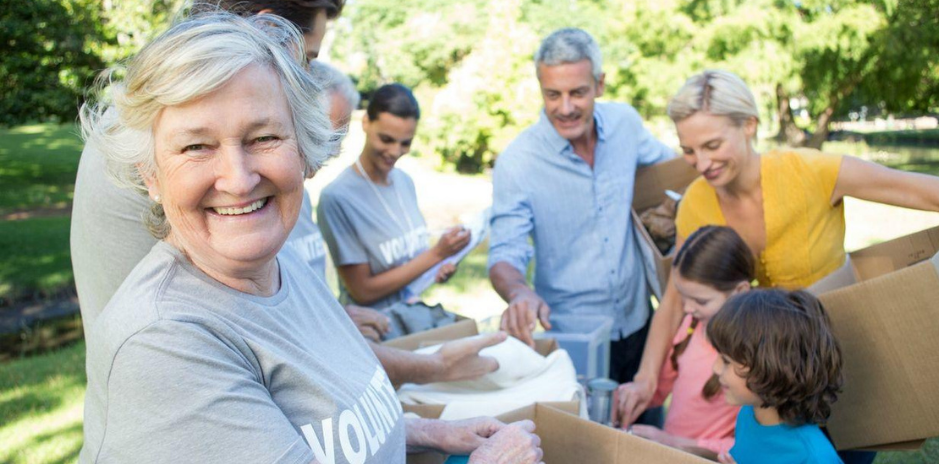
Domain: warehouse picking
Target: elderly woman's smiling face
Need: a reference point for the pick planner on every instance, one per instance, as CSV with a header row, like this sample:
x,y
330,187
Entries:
x,y
230,174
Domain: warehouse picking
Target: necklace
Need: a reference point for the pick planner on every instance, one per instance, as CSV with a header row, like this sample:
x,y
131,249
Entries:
x,y
381,199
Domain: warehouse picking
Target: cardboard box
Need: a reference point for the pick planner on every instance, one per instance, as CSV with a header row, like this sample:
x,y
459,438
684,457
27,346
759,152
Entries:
x,y
649,192
884,306
566,438
463,327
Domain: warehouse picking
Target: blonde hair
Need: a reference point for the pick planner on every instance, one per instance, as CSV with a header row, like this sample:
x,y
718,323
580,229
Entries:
x,y
718,92
194,58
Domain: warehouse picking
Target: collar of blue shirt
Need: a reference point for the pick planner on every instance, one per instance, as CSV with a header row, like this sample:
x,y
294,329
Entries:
x,y
560,144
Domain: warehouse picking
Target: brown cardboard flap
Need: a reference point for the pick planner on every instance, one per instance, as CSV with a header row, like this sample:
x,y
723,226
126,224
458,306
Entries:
x,y
905,446
892,255
569,439
566,438
888,328
649,191
652,182
462,328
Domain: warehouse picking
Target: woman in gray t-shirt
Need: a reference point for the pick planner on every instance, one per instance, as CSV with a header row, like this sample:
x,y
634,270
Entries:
x,y
369,215
217,347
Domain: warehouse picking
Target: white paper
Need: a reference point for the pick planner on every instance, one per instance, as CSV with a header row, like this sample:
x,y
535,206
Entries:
x,y
478,226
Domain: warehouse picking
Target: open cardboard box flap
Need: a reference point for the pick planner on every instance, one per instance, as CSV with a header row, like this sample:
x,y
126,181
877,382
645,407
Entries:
x,y
463,327
648,192
566,438
884,306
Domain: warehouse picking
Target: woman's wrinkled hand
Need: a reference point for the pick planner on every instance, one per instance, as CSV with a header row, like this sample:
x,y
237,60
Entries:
x,y
515,443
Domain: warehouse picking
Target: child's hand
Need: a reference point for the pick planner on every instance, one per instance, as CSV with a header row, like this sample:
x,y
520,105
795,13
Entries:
x,y
726,458
630,400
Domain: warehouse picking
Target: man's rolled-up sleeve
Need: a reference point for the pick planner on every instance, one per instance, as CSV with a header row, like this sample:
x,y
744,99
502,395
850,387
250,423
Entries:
x,y
512,219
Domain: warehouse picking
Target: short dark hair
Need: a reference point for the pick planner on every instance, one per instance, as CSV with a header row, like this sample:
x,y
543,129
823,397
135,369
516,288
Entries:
x,y
715,256
785,341
298,12
395,99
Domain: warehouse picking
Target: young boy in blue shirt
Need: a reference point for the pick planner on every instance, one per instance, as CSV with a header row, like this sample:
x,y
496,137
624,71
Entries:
x,y
780,361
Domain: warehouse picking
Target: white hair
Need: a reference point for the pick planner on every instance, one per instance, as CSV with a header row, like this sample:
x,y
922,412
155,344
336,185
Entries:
x,y
194,58
335,82
570,45
717,92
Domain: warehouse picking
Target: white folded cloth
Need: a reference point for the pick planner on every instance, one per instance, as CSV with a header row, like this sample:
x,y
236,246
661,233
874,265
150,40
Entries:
x,y
523,377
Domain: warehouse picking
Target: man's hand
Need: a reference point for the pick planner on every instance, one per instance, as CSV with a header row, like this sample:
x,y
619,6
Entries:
x,y
445,271
515,443
460,359
630,400
372,324
524,311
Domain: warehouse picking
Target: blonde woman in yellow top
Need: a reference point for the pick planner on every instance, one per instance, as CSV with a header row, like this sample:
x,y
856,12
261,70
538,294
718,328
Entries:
x,y
785,204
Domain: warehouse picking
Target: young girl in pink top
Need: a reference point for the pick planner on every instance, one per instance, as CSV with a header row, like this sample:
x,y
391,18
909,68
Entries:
x,y
713,264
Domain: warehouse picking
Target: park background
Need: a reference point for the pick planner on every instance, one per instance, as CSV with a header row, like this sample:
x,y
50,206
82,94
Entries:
x,y
856,77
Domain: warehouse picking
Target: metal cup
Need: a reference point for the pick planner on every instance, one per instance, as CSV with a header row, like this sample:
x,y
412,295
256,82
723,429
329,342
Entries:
x,y
600,399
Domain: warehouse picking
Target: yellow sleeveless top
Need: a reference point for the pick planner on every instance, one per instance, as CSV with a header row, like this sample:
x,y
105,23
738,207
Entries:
x,y
804,233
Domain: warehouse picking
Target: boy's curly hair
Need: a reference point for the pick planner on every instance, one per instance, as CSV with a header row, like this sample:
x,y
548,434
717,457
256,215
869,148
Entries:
x,y
785,341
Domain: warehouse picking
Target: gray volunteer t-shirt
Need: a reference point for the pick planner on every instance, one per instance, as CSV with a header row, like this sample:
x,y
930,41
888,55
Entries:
x,y
108,237
184,369
358,228
307,241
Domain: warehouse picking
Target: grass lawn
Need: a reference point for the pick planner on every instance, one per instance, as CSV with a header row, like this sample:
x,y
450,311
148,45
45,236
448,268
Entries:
x,y
36,257
37,166
41,403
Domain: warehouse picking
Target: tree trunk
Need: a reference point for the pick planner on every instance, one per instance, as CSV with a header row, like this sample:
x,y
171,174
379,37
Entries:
x,y
789,133
821,127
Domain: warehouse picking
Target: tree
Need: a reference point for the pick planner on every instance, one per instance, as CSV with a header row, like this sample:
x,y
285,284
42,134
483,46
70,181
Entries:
x,y
48,58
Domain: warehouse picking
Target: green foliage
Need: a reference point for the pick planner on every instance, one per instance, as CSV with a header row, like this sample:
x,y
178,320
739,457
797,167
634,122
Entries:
x,y
54,49
415,42
47,58
484,105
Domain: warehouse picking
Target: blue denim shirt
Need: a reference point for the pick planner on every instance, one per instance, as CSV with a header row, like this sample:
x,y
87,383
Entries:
x,y
586,257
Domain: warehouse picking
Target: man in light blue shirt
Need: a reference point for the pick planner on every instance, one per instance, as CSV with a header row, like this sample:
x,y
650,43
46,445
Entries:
x,y
567,184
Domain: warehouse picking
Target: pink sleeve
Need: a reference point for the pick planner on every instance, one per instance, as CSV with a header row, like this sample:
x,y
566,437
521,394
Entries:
x,y
667,378
717,445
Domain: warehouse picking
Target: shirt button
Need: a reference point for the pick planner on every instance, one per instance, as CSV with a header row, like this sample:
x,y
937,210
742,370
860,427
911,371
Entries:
x,y
605,239
612,272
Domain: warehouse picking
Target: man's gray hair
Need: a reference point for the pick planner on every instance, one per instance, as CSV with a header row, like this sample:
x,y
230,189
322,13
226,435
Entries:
x,y
570,45
335,81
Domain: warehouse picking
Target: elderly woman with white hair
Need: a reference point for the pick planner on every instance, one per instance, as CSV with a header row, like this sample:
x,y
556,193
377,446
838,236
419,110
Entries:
x,y
213,349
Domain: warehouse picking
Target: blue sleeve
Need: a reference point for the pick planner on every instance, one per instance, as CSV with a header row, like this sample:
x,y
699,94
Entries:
x,y
338,231
649,149
512,219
